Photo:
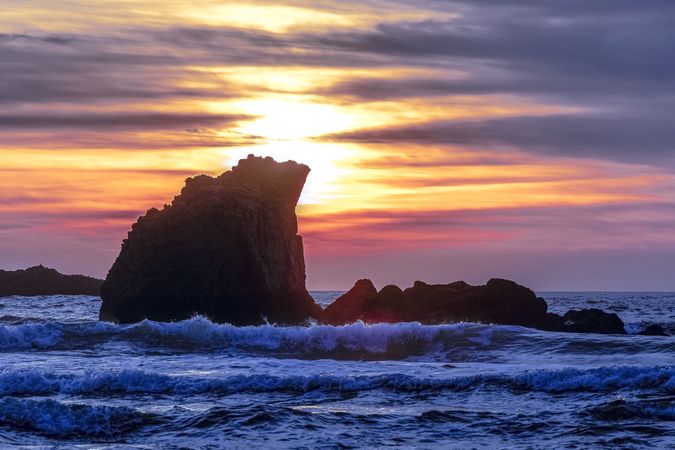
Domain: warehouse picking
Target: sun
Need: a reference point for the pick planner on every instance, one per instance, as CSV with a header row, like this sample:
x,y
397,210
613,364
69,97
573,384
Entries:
x,y
286,128
288,119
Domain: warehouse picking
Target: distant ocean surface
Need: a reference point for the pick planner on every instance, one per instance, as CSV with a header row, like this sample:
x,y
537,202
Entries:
x,y
68,380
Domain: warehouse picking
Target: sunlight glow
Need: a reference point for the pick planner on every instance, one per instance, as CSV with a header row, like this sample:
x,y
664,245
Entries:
x,y
275,18
283,119
325,161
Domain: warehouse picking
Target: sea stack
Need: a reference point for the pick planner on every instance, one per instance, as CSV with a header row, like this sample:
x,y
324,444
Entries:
x,y
227,248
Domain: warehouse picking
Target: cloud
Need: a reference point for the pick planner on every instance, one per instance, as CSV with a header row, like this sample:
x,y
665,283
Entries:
x,y
82,69
49,39
629,39
645,225
9,199
560,87
92,121
623,137
12,226
536,48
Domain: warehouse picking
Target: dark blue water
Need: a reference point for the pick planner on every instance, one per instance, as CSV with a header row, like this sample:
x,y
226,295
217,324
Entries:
x,y
68,380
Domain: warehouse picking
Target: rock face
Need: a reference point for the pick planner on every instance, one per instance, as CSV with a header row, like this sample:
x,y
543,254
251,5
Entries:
x,y
41,280
499,302
226,248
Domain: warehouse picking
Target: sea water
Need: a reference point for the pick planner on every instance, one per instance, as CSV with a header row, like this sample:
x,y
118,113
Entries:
x,y
68,380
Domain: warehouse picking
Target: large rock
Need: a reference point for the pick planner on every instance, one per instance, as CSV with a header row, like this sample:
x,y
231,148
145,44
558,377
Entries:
x,y
41,280
226,248
350,304
499,301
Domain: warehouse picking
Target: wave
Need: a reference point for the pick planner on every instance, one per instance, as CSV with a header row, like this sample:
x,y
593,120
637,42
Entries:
x,y
600,379
132,381
14,337
60,419
199,332
622,409
478,342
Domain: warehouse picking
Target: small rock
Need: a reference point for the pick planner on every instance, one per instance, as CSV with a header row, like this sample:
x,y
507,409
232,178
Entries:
x,y
653,330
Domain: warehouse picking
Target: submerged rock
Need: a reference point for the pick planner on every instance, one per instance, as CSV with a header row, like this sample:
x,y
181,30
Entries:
x,y
41,280
227,248
653,330
584,321
593,321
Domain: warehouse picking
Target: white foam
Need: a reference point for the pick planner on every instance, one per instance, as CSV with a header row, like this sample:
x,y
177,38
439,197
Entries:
x,y
200,332
30,335
132,381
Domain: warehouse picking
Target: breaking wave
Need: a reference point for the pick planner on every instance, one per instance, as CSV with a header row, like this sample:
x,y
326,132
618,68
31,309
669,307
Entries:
x,y
63,419
32,382
199,332
354,341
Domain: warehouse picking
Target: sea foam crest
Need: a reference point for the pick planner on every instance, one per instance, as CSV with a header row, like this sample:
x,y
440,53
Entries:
x,y
200,332
598,379
358,336
30,335
133,381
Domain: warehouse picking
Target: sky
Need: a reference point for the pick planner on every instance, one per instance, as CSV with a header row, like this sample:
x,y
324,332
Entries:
x,y
448,139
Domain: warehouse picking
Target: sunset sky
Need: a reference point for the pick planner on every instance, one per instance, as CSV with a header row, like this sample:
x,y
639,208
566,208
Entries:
x,y
533,139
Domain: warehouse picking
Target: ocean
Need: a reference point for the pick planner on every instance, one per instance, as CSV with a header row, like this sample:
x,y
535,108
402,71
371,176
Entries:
x,y
69,381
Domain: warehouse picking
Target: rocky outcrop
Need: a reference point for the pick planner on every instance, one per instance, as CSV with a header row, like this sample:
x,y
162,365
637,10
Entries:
x,y
351,304
498,302
227,248
41,280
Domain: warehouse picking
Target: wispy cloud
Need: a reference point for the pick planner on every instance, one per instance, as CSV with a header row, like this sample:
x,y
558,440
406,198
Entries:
x,y
646,138
93,121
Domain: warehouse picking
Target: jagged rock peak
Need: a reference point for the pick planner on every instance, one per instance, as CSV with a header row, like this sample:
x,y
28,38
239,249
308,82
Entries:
x,y
283,180
226,247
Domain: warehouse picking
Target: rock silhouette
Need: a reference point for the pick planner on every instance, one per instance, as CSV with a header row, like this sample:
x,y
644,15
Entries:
x,y
41,280
498,301
227,248
591,320
350,306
